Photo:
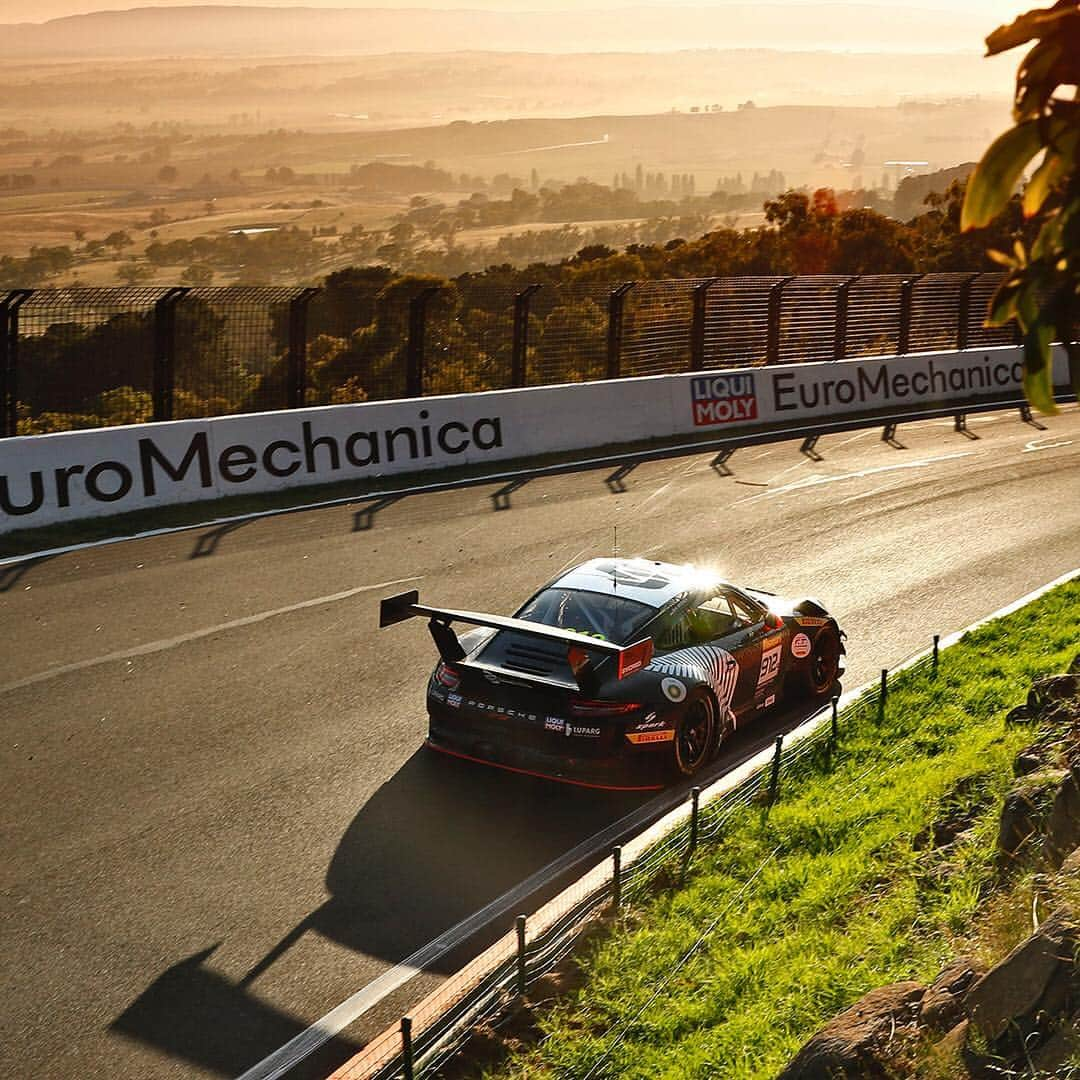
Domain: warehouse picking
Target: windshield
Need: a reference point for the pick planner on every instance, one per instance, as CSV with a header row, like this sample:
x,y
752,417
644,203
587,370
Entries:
x,y
608,617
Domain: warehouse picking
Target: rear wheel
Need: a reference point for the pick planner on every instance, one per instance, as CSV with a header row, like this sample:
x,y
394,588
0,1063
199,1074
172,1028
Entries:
x,y
823,664
695,734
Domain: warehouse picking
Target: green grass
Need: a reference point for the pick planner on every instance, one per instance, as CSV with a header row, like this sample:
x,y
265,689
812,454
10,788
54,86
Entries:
x,y
842,901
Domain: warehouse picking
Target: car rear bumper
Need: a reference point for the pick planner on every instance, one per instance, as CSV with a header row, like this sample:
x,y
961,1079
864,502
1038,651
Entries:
x,y
625,769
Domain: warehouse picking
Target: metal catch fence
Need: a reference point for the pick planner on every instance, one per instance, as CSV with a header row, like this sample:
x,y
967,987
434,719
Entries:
x,y
488,990
78,358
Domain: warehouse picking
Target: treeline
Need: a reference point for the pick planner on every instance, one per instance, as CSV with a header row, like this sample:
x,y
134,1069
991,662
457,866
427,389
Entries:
x,y
75,375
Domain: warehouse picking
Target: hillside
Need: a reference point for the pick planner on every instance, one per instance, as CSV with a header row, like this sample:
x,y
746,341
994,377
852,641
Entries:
x,y
260,31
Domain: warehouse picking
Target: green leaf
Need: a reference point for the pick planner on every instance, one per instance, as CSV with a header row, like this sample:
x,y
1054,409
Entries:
x,y
1003,305
1049,239
1052,169
1039,368
1037,78
994,178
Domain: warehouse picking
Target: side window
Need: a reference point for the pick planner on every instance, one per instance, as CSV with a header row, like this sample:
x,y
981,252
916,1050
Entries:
x,y
745,609
713,619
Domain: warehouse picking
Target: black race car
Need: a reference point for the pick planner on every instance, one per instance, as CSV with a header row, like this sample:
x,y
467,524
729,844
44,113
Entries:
x,y
620,673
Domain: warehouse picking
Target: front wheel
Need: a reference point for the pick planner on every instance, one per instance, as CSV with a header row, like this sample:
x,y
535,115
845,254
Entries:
x,y
695,734
823,664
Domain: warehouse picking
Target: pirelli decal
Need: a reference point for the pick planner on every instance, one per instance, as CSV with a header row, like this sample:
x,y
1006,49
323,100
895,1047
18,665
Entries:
x,y
639,737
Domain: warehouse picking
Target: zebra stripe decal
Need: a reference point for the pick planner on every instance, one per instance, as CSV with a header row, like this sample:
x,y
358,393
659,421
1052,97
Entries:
x,y
709,664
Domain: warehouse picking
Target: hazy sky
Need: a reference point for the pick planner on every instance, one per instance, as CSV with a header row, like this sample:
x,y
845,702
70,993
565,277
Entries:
x,y
986,11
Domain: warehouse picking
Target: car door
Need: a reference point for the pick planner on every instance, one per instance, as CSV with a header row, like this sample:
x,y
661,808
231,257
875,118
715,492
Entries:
x,y
757,648
720,622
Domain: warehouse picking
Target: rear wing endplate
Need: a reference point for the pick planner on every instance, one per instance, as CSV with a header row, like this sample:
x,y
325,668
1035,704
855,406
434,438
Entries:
x,y
579,647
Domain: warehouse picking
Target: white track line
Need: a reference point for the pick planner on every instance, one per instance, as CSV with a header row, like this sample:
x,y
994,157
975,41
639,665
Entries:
x,y
170,643
818,478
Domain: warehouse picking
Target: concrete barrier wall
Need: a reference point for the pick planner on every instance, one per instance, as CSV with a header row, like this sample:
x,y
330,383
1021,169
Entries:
x,y
47,479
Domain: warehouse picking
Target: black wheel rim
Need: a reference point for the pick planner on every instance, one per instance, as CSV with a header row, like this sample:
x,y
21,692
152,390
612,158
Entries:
x,y
695,735
825,662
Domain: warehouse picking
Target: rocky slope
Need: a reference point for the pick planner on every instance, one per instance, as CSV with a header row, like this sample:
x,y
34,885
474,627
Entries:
x,y
1021,1016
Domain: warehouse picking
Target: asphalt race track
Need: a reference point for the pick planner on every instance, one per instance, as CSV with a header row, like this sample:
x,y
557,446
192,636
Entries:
x,y
218,821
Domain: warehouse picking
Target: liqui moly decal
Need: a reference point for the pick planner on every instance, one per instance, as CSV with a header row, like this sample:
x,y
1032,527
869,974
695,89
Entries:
x,y
723,399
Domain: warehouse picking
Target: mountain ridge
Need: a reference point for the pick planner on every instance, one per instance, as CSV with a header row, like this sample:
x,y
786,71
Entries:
x,y
272,30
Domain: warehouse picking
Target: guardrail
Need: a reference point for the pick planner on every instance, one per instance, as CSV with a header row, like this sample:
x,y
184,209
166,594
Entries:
x,y
94,357
492,985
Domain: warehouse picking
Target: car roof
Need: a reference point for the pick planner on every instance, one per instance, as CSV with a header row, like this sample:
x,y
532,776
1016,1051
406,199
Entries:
x,y
647,582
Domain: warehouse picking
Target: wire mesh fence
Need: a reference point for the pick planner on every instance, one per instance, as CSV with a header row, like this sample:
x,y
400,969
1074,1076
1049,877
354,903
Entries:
x,y
75,358
489,988
231,351
737,321
568,333
808,318
657,327
86,357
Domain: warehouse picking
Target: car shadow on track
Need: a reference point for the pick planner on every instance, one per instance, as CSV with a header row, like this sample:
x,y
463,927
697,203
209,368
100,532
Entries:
x,y
439,841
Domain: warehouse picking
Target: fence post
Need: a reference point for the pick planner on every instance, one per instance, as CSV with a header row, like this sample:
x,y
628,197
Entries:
x,y
772,346
774,774
164,372
414,350
883,693
406,1048
963,311
296,391
835,732
695,806
521,955
697,324
519,355
907,296
616,877
9,360
937,642
843,291
616,305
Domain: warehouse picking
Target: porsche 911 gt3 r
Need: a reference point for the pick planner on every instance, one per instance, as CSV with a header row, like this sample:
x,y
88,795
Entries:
x,y
620,673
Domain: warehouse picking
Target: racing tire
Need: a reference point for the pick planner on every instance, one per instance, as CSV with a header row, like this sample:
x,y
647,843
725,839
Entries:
x,y
822,669
695,734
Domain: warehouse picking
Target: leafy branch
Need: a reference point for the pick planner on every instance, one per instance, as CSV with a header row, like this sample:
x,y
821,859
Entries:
x,y
1041,289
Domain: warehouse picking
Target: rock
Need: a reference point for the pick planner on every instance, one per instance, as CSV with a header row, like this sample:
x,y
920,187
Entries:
x,y
1020,715
1026,808
1054,688
1070,866
950,1056
942,1006
1029,760
1063,823
860,1043
1055,699
1057,1050
1011,992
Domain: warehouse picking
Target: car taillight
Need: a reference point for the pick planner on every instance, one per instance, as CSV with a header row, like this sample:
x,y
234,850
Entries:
x,y
585,707
447,675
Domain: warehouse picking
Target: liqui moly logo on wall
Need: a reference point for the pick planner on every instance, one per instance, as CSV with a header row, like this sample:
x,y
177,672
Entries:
x,y
723,399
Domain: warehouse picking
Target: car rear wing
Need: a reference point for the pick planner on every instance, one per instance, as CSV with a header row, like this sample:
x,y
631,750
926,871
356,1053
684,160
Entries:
x,y
580,648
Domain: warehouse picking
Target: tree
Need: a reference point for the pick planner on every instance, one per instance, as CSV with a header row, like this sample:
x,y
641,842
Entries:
x,y
118,240
197,274
134,273
1041,289
167,174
